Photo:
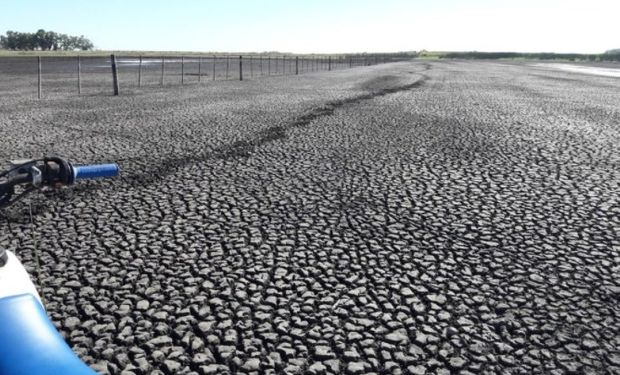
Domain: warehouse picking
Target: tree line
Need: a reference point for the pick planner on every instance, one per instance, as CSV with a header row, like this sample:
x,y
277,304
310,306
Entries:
x,y
44,41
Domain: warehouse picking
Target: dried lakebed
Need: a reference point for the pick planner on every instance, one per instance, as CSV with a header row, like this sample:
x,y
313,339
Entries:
x,y
419,217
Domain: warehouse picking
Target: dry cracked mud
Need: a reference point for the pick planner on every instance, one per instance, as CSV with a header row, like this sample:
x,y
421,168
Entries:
x,y
408,218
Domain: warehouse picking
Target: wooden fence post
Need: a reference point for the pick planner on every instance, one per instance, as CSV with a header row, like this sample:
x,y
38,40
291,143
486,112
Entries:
x,y
214,61
199,68
182,70
114,74
79,74
39,77
240,68
329,63
227,65
296,65
140,72
163,69
269,66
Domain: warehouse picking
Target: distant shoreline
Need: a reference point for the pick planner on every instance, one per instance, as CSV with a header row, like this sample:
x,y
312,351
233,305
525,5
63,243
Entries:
x,y
547,56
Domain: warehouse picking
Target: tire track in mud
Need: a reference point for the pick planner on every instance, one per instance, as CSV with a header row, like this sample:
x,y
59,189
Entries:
x,y
244,148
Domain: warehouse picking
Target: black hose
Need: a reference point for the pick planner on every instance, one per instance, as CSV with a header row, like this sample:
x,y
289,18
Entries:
x,y
6,192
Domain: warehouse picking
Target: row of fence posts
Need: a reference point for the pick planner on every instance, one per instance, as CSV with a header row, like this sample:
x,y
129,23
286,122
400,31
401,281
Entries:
x,y
115,80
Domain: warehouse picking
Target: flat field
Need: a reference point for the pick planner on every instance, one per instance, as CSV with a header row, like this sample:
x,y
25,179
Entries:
x,y
414,217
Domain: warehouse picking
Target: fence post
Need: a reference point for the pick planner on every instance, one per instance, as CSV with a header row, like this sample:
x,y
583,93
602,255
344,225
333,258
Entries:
x,y
251,66
269,65
163,69
140,72
199,68
350,62
39,77
260,62
227,65
182,70
114,74
296,65
79,74
214,62
240,68
329,63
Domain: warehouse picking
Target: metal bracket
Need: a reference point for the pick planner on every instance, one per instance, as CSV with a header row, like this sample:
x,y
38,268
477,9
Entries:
x,y
37,176
25,164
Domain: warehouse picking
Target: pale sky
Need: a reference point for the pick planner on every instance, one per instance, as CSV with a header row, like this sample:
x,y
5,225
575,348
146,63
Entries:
x,y
329,26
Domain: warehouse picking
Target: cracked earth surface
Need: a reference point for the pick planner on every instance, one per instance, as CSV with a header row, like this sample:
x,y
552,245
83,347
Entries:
x,y
415,217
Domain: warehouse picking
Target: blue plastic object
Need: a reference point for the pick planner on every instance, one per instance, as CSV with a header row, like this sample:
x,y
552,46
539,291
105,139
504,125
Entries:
x,y
30,344
88,172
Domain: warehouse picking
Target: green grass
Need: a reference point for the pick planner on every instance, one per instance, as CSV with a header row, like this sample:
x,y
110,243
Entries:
x,y
431,55
7,53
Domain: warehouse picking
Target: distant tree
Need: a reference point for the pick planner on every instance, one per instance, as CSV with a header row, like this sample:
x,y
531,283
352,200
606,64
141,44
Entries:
x,y
76,42
44,41
613,52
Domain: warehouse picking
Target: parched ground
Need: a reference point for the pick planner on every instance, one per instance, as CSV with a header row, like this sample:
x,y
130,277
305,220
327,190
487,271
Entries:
x,y
415,217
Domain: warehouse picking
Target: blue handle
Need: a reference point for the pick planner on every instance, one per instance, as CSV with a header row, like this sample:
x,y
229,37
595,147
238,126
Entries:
x,y
88,172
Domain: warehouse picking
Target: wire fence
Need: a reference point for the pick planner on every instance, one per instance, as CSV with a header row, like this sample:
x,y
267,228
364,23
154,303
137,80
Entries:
x,y
42,76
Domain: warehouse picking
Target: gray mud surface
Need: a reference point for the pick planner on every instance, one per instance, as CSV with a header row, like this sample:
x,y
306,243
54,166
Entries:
x,y
415,217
